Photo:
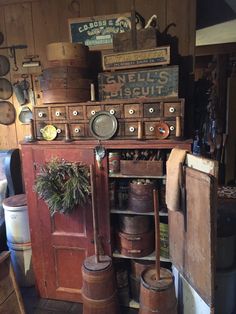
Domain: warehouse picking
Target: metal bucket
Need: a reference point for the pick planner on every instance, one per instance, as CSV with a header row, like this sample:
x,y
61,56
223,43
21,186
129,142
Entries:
x,y
157,296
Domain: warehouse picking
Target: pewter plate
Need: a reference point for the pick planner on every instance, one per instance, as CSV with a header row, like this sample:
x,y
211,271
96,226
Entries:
x,y
103,125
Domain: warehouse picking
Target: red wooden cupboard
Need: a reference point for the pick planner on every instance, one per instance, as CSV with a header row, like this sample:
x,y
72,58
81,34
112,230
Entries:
x,y
60,244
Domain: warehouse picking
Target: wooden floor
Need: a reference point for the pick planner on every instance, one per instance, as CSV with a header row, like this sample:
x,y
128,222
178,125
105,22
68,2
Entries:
x,y
36,305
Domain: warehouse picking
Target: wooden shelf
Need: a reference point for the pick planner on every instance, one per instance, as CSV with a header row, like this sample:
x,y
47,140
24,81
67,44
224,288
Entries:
x,y
120,175
130,212
150,257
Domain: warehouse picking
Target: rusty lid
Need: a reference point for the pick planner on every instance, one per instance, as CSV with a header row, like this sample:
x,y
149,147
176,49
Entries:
x,y
162,130
148,279
7,113
5,88
4,65
15,201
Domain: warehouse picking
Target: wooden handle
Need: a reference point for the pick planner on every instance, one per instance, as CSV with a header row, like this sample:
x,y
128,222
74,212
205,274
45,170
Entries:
x,y
32,132
95,224
178,132
67,133
157,234
140,130
92,92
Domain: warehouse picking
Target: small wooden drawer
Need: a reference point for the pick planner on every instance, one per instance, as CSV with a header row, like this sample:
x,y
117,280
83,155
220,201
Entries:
x,y
172,126
150,129
77,130
172,109
76,113
132,111
58,113
60,130
38,127
92,110
152,110
131,129
114,109
41,114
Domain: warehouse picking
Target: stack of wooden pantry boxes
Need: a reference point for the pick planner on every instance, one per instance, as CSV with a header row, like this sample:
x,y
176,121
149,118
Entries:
x,y
65,80
145,87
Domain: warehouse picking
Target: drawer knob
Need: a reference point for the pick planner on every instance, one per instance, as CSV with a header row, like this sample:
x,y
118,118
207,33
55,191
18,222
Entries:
x,y
151,129
112,111
131,111
131,129
151,110
171,109
57,113
93,112
41,114
75,113
172,128
77,130
58,131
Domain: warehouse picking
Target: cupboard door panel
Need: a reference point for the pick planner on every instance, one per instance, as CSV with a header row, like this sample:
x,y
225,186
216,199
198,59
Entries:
x,y
65,240
192,240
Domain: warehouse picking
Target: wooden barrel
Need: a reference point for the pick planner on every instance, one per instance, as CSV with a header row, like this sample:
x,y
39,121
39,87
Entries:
x,y
99,293
135,245
134,224
157,296
104,306
137,267
66,51
140,197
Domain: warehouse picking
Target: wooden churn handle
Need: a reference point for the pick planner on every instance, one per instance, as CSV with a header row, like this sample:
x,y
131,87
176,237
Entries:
x,y
157,233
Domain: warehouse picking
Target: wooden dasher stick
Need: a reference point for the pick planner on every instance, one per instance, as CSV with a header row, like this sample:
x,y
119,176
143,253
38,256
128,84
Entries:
x,y
95,224
157,233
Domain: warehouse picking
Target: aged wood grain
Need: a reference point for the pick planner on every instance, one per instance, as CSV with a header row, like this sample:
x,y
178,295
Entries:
x,y
18,17
157,82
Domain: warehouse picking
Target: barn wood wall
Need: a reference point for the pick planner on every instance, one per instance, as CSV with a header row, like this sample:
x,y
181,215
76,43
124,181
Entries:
x,y
39,22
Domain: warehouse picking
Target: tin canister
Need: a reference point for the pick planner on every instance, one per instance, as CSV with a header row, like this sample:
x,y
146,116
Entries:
x,y
114,162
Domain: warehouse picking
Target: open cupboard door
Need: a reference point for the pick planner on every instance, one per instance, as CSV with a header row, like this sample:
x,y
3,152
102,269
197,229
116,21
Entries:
x,y
192,238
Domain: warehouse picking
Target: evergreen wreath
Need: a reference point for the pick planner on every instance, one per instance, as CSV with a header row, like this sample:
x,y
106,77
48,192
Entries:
x,y
63,185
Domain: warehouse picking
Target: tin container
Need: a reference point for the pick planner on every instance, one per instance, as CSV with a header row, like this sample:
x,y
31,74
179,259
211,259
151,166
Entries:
x,y
114,162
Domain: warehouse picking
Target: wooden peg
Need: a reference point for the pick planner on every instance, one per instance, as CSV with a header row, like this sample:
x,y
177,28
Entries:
x,y
67,133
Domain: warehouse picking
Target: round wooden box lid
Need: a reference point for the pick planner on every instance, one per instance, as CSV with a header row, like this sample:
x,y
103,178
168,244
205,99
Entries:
x,y
15,201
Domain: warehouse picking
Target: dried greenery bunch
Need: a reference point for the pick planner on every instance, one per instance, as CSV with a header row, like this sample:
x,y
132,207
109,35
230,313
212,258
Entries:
x,y
63,185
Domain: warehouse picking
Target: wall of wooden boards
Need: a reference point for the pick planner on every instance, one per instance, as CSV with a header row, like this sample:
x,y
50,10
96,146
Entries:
x,y
39,22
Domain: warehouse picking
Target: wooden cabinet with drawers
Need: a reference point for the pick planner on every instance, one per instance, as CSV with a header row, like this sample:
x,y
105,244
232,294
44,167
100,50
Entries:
x,y
128,113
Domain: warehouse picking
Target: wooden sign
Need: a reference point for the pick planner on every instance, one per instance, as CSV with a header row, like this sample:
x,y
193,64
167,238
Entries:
x,y
158,82
96,32
137,58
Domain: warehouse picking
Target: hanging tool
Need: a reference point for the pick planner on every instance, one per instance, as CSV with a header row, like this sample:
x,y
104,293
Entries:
x,y
12,53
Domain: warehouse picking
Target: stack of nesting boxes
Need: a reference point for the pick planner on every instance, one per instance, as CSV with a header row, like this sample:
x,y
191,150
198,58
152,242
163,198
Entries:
x,y
139,87
146,87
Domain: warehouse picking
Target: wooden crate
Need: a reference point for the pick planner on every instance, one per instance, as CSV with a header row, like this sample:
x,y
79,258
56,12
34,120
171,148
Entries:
x,y
96,32
141,167
145,38
137,58
149,83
